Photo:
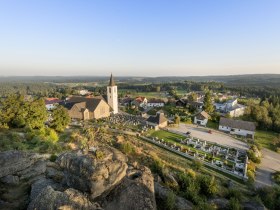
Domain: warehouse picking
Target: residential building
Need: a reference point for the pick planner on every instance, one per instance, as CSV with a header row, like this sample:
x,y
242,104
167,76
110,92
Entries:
x,y
155,103
140,101
237,127
201,118
159,120
230,107
51,103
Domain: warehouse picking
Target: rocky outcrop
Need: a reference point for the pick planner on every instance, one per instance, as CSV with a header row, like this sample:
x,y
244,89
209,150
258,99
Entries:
x,y
74,181
252,205
18,170
90,175
49,199
136,191
220,203
162,195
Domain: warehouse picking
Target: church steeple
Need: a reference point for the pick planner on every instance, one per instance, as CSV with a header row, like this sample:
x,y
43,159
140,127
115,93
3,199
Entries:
x,y
112,82
112,95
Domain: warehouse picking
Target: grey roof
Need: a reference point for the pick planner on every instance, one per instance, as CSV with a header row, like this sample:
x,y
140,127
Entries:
x,y
239,124
82,102
112,82
158,119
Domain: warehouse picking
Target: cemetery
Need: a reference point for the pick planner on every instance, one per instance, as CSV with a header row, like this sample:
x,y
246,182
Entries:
x,y
231,160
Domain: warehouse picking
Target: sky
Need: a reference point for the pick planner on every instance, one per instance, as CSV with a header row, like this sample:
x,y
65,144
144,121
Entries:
x,y
139,37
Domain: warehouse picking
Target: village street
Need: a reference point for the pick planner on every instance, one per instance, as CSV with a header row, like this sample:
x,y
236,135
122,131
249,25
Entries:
x,y
270,163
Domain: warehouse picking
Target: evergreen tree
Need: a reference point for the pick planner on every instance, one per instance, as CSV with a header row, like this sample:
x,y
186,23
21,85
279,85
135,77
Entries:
x,y
208,106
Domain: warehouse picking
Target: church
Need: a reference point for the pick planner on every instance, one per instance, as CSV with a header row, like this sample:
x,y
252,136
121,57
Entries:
x,y
87,108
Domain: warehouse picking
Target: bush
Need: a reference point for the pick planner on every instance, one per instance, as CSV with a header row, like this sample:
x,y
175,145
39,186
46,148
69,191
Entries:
x,y
127,148
270,196
99,154
170,201
208,185
252,156
276,177
234,204
53,158
197,164
251,177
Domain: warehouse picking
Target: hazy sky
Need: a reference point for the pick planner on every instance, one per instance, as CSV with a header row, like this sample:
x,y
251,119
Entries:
x,y
139,37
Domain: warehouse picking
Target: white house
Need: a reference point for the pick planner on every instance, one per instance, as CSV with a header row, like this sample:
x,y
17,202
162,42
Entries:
x,y
51,103
201,118
155,103
230,107
140,101
83,92
237,127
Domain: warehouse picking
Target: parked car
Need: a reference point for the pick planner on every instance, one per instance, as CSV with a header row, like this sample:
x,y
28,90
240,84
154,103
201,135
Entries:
x,y
188,133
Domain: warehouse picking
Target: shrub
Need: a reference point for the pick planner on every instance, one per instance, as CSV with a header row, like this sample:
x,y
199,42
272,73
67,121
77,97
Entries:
x,y
208,185
197,164
99,154
170,201
234,204
53,158
276,177
127,148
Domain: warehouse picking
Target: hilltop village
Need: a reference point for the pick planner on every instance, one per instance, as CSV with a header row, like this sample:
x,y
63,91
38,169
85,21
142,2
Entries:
x,y
80,146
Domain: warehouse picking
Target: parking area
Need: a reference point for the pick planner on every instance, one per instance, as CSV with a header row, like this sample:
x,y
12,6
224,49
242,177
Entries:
x,y
215,136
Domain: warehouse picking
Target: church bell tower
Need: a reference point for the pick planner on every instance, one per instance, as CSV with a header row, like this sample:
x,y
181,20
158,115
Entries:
x,y
112,95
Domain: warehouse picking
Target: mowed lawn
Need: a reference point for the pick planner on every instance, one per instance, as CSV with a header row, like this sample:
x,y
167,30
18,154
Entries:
x,y
167,135
265,139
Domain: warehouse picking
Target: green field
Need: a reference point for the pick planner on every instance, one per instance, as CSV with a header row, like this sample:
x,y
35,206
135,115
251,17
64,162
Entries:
x,y
134,93
167,135
265,138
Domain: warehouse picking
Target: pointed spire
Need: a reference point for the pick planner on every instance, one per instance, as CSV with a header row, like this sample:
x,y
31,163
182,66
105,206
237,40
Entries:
x,y
112,82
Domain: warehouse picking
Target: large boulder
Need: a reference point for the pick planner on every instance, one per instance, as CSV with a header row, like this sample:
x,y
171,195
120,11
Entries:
x,y
18,170
90,174
162,194
136,192
70,199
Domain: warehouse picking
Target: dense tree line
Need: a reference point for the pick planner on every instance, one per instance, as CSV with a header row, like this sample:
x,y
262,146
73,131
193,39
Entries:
x,y
35,89
16,112
266,114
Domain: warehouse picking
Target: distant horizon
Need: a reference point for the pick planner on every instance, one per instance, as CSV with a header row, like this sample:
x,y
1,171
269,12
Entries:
x,y
210,75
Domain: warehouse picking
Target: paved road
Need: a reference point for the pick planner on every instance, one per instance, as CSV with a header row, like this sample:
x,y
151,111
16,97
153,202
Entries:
x,y
270,163
216,136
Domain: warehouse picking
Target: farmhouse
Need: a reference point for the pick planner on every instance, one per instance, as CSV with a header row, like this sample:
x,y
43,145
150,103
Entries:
x,y
237,127
201,118
159,120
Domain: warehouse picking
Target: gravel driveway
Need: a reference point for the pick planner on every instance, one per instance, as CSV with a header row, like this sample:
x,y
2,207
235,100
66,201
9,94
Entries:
x,y
216,136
